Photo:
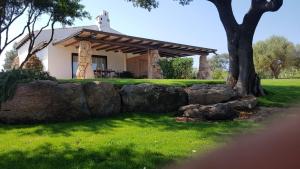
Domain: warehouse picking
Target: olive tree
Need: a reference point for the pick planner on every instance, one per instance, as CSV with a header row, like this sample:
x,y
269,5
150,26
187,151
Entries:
x,y
10,57
273,55
242,73
219,65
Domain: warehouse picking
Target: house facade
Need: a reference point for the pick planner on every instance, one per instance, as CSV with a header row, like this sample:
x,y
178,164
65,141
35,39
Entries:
x,y
82,52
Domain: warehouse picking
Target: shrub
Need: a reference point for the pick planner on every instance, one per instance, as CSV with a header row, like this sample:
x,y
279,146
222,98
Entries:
x,y
219,74
10,79
177,68
183,68
290,73
34,63
167,68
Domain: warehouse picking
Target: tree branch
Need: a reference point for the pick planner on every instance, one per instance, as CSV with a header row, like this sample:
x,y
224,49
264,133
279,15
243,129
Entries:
x,y
6,28
228,20
257,9
33,37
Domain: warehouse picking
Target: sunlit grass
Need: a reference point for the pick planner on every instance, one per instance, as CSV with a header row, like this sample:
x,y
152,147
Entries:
x,y
280,92
127,142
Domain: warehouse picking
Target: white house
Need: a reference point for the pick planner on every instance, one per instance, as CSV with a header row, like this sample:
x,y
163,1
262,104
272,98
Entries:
x,y
80,52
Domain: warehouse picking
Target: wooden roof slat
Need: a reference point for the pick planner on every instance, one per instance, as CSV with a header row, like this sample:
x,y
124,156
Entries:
x,y
130,50
140,51
70,44
103,47
135,46
114,48
113,41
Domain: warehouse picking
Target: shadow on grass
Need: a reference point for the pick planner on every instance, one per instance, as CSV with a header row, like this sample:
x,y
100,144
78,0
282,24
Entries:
x,y
67,157
280,96
142,120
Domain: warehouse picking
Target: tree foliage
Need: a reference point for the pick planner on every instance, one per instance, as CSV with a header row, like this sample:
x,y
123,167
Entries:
x,y
219,65
219,61
176,68
34,63
52,12
273,55
9,58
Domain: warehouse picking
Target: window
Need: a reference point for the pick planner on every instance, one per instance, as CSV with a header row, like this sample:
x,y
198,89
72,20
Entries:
x,y
98,63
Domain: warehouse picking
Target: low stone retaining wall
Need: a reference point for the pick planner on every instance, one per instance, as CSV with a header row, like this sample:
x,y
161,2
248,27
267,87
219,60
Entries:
x,y
48,101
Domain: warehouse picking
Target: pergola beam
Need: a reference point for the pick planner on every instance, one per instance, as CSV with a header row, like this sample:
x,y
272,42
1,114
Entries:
x,y
150,47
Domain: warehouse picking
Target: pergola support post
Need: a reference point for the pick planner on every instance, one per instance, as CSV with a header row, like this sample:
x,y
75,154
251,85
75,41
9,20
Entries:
x,y
85,70
154,70
204,71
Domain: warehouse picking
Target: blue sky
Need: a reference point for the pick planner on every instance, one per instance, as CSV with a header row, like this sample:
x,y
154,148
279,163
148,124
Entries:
x,y
197,24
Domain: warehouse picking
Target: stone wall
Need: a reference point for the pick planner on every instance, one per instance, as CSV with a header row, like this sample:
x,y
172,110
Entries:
x,y
48,101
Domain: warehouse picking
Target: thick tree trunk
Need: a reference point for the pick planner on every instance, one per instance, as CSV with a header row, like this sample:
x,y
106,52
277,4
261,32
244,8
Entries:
x,y
233,61
242,73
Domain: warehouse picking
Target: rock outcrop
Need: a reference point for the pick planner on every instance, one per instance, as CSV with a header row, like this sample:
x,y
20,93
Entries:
x,y
102,99
48,101
220,111
205,94
152,98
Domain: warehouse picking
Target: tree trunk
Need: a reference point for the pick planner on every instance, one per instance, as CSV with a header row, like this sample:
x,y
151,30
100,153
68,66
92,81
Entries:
x,y
242,73
233,61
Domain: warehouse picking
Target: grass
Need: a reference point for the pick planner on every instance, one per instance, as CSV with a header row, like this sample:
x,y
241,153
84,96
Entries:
x,y
280,92
127,142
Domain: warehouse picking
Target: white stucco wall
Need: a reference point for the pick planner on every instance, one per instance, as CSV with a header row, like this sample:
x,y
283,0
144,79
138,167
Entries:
x,y
60,60
22,52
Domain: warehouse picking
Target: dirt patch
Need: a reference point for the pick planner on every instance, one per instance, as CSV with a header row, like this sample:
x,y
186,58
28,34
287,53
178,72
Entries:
x,y
268,113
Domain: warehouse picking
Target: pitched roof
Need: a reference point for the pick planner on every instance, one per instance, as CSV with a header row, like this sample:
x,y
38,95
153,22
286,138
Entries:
x,y
59,34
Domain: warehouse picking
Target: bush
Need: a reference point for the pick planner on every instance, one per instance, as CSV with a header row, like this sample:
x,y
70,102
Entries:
x,y
177,68
219,74
167,68
289,73
34,63
10,79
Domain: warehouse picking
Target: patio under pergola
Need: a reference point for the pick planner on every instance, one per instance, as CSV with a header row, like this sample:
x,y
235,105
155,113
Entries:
x,y
142,48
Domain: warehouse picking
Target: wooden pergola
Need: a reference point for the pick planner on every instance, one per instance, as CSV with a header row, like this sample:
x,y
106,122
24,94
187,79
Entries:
x,y
111,42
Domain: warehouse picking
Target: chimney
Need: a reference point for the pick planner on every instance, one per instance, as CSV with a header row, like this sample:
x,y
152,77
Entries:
x,y
103,21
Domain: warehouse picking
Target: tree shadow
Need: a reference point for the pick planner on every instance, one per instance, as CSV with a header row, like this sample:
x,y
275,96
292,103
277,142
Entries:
x,y
108,125
67,157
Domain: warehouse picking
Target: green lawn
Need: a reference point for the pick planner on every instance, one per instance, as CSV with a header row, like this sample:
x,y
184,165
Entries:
x,y
128,141
281,93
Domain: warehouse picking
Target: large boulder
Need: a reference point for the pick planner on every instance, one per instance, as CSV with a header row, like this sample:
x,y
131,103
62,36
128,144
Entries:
x,y
152,98
219,111
48,101
44,101
102,99
205,94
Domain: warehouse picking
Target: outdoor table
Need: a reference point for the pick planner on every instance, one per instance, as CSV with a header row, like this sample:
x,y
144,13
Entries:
x,y
104,73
